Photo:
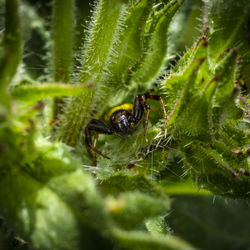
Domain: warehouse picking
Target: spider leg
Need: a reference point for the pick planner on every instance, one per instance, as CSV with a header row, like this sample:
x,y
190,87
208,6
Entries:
x,y
92,157
96,136
100,127
157,98
145,122
140,103
138,109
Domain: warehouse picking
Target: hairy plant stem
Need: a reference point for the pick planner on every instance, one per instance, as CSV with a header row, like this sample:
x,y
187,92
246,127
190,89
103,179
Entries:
x,y
63,42
106,28
11,49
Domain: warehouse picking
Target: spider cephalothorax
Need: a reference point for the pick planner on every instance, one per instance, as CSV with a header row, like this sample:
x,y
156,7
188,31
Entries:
x,y
122,120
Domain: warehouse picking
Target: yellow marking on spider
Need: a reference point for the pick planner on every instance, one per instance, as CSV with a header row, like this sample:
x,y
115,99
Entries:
x,y
127,106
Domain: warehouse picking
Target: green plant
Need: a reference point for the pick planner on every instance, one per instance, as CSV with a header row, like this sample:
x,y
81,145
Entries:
x,y
48,195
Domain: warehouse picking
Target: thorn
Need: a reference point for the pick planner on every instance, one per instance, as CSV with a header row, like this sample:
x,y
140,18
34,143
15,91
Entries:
x,y
235,51
244,171
90,85
118,135
202,60
248,151
205,44
239,153
131,166
204,39
31,122
53,122
236,90
38,106
239,60
216,78
235,175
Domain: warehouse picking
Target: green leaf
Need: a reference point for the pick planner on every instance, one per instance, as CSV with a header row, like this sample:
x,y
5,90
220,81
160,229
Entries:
x,y
122,182
194,121
104,33
34,212
219,172
210,222
34,29
130,209
124,150
36,91
202,104
227,27
179,87
225,70
55,167
17,142
156,225
184,28
140,241
52,202
156,51
130,48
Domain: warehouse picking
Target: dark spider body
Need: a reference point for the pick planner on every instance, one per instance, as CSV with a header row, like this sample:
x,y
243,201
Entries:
x,y
120,120
123,119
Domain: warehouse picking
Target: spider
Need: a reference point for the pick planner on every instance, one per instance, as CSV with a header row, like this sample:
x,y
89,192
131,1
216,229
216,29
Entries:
x,y
122,119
